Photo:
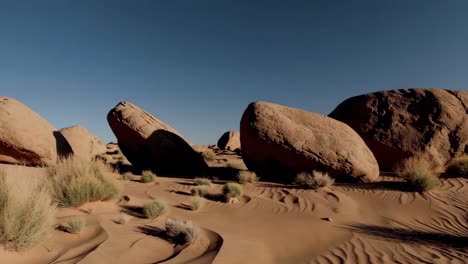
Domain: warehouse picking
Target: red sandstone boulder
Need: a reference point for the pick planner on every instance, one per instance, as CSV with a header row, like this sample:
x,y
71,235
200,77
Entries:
x,y
229,141
278,141
82,143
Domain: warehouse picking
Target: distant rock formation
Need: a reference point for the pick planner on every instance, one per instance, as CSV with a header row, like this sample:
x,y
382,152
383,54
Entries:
x,y
397,124
82,143
278,141
229,141
149,143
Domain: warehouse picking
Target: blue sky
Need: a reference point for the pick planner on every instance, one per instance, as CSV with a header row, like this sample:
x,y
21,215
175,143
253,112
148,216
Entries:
x,y
197,64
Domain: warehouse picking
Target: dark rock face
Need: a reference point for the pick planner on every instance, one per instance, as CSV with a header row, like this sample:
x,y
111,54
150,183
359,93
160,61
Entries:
x,y
229,141
397,124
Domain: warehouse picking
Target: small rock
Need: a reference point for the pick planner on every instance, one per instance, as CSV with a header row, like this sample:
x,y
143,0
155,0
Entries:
x,y
329,219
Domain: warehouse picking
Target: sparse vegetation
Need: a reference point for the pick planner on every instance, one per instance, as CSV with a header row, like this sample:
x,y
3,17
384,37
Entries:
x,y
202,181
75,225
73,181
26,212
418,173
197,203
313,180
123,219
237,165
232,190
459,167
155,208
202,192
208,155
147,176
127,176
182,232
247,176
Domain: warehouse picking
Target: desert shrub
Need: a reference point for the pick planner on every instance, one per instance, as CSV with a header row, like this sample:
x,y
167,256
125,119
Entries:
x,y
75,225
232,190
197,203
155,208
202,181
182,232
122,219
202,192
127,176
246,176
237,165
26,212
147,176
208,155
459,167
313,181
418,173
73,181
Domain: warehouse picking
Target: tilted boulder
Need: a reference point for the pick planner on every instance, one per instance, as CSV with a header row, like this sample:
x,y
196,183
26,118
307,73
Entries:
x,y
278,141
149,143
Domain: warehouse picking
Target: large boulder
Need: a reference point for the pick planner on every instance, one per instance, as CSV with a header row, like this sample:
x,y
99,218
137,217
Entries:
x,y
25,137
229,141
397,124
82,143
149,143
279,141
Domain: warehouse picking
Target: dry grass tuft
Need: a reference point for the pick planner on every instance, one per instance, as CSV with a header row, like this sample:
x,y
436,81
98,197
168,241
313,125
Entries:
x,y
202,192
75,225
313,181
459,167
197,203
208,155
247,176
202,181
419,173
26,212
237,165
147,176
182,232
128,176
73,181
155,208
232,190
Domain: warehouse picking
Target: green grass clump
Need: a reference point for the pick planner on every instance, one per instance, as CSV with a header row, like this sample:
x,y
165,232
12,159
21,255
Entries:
x,y
147,176
26,212
459,167
202,192
197,203
418,173
313,181
73,181
182,232
127,176
232,190
202,181
208,155
75,225
247,176
155,208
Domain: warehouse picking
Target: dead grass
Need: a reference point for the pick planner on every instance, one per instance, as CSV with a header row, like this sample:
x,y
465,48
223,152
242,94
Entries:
x,y
202,181
75,225
26,212
182,232
247,176
197,203
419,173
313,180
459,167
73,181
128,176
233,190
208,155
147,176
155,208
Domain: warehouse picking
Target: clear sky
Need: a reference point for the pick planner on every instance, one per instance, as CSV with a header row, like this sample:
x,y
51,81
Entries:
x,y
197,64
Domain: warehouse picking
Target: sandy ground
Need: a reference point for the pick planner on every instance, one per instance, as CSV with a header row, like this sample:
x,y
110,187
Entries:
x,y
345,223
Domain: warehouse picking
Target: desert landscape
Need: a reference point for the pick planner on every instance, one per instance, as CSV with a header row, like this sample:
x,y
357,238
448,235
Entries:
x,y
382,179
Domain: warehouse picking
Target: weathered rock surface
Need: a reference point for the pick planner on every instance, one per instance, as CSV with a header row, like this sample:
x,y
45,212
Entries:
x,y
25,137
229,141
83,144
278,140
149,143
397,124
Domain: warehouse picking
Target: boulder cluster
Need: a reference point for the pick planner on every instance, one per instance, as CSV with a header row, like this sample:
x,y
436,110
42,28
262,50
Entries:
x,y
362,136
